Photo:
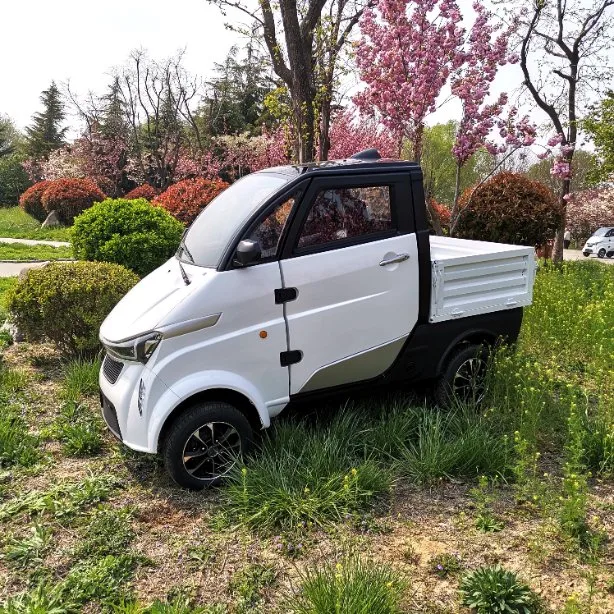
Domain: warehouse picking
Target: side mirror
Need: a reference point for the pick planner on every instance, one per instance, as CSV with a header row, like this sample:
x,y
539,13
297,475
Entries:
x,y
248,251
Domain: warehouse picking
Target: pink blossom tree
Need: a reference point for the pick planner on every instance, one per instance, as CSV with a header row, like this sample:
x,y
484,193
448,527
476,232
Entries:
x,y
485,50
411,49
351,133
408,50
588,210
103,158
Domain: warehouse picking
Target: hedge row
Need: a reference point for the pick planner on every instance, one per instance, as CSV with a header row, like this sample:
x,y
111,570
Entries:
x,y
70,197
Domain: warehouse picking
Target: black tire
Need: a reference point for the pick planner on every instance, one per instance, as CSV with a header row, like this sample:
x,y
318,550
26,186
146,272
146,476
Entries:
x,y
469,364
601,253
610,254
586,254
205,423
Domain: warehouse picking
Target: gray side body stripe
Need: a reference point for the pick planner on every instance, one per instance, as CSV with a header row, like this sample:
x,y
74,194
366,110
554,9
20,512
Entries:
x,y
355,368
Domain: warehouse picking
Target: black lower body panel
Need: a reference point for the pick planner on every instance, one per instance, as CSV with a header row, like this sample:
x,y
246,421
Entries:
x,y
429,345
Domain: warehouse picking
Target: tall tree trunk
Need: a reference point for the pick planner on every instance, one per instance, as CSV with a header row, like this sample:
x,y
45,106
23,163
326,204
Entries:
x,y
559,237
455,212
324,139
302,103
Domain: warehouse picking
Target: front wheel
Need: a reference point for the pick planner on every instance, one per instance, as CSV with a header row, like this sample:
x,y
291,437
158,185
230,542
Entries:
x,y
586,254
463,378
601,253
205,443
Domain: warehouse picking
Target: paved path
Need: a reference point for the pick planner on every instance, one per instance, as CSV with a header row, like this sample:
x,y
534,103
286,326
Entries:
x,y
576,254
12,269
35,242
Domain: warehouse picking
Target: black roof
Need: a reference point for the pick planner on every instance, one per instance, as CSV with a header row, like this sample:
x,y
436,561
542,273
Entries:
x,y
348,164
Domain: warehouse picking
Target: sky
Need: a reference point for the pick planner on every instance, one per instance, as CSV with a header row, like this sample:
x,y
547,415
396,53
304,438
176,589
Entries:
x,y
81,40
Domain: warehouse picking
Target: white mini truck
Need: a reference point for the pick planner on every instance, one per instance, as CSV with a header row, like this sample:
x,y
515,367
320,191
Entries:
x,y
298,282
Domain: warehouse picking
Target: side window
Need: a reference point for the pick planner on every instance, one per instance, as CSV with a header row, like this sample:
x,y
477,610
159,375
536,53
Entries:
x,y
610,233
269,231
343,213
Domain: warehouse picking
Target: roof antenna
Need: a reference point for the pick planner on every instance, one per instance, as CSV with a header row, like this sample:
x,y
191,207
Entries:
x,y
367,154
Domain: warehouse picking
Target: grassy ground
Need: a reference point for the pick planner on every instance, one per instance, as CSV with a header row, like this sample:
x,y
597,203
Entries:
x,y
385,505
14,222
19,251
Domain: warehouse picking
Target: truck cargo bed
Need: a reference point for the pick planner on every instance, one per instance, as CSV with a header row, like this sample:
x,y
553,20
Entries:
x,y
472,277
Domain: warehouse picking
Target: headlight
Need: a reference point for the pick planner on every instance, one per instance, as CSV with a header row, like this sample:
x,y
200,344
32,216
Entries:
x,y
138,349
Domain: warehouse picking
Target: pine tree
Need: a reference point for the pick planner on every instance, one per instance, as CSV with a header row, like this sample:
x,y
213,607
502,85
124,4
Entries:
x,y
45,134
113,122
7,132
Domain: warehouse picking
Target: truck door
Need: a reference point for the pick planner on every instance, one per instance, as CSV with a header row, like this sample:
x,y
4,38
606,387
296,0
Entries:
x,y
351,262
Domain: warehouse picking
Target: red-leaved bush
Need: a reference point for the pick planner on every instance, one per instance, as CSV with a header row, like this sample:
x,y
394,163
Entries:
x,y
509,208
442,211
145,191
30,200
70,197
186,199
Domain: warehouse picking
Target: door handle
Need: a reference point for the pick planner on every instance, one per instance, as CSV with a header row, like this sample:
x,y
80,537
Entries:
x,y
395,259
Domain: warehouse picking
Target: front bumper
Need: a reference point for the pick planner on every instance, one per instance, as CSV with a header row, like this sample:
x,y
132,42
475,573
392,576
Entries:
x,y
125,417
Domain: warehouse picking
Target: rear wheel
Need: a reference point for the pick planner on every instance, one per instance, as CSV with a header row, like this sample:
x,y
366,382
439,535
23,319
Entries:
x,y
464,377
601,253
610,254
205,443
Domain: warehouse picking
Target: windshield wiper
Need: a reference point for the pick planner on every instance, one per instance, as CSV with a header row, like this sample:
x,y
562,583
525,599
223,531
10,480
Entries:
x,y
186,251
183,273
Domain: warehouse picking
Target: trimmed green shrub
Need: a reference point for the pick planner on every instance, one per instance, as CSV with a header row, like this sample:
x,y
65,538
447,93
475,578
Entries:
x,y
67,302
132,233
31,201
70,197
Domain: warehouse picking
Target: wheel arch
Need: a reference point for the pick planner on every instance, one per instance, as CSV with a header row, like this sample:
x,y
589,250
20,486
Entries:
x,y
225,395
482,337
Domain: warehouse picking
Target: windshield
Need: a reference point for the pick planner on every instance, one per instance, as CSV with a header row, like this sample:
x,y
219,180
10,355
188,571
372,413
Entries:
x,y
601,232
206,239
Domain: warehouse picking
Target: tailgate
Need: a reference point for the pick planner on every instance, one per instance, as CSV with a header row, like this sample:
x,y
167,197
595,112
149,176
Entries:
x,y
473,277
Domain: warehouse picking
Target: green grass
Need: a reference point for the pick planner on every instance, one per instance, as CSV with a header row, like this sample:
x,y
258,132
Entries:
x,y
102,580
21,252
352,586
18,446
78,429
249,584
6,285
27,551
81,379
61,501
109,532
494,589
15,223
317,473
307,474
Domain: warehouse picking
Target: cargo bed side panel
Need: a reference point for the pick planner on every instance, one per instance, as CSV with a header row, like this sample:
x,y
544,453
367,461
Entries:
x,y
473,277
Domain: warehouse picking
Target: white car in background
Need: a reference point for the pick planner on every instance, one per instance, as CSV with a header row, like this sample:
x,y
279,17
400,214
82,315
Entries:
x,y
600,243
